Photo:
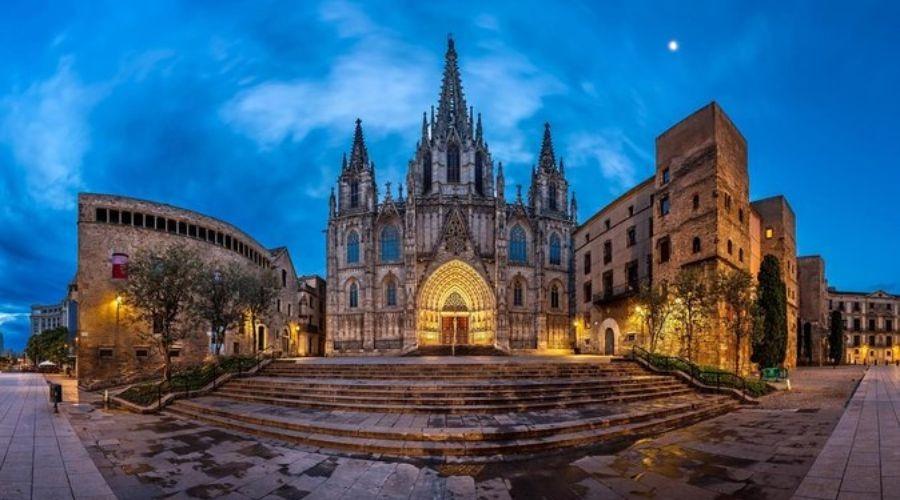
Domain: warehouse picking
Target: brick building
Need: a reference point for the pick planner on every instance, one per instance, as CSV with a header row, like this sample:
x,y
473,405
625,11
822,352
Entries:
x,y
694,212
110,228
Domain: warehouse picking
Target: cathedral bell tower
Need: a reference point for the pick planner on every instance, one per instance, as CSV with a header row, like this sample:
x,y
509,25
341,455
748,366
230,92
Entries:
x,y
356,185
452,157
548,194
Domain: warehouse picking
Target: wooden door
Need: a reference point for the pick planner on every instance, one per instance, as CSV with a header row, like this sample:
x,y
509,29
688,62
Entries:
x,y
462,330
447,330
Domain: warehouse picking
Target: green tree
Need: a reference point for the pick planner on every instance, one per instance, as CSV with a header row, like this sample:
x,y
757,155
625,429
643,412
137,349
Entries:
x,y
655,308
159,297
770,341
737,293
218,299
695,300
258,292
49,345
836,337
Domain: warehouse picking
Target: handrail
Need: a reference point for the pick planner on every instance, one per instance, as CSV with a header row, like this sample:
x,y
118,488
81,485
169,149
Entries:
x,y
717,379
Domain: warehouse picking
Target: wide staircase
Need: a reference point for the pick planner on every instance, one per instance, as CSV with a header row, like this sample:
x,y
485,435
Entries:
x,y
453,411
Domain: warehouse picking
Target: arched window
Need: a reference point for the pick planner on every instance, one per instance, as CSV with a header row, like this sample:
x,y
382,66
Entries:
x,y
479,173
554,297
354,295
426,173
517,244
354,194
695,246
453,163
555,251
390,293
551,196
352,248
518,294
390,244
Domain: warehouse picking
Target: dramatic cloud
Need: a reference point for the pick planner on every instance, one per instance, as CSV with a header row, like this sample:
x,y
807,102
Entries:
x,y
47,129
610,151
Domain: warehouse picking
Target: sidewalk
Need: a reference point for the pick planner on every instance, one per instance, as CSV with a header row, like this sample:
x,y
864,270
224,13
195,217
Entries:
x,y
41,457
862,457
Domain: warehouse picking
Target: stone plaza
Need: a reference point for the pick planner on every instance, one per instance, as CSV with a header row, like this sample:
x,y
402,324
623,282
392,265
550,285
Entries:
x,y
802,443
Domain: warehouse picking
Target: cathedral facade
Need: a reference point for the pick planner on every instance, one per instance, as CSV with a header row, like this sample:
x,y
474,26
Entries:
x,y
450,262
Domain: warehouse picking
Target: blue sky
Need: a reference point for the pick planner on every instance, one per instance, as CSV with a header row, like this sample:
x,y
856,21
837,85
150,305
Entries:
x,y
241,110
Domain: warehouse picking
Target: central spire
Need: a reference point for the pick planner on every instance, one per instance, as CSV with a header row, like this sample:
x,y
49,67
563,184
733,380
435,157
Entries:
x,y
452,111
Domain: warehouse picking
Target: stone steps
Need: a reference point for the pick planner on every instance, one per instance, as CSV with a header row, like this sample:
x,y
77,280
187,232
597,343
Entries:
x,y
449,372
471,443
444,395
448,405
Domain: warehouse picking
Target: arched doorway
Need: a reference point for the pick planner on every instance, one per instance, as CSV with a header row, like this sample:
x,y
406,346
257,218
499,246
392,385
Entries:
x,y
260,338
455,306
609,342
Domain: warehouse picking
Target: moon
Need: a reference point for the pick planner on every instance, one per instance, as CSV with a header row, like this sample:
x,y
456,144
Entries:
x,y
673,45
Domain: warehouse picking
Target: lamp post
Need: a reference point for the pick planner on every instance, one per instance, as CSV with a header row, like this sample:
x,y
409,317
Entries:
x,y
118,304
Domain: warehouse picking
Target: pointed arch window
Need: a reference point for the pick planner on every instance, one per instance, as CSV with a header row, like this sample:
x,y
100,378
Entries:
x,y
354,194
426,173
554,297
517,245
453,163
390,293
555,250
354,295
518,294
552,196
479,173
390,244
352,248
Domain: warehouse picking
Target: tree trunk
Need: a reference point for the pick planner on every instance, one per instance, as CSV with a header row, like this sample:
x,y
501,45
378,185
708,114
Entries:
x,y
167,367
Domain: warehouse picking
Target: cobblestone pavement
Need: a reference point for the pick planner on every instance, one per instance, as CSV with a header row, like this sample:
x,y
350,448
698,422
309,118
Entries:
x,y
760,452
41,457
862,457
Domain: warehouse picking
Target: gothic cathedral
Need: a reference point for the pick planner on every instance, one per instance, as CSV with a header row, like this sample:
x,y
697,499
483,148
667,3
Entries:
x,y
451,262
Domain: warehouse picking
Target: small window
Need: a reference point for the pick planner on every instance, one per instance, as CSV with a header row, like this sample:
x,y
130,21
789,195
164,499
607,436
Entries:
x,y
352,248
141,352
517,294
741,215
354,194
587,290
607,251
631,236
105,352
391,294
630,210
695,245
139,220
552,196
192,230
114,216
664,205
727,202
174,353
101,215
126,218
119,266
554,297
587,263
453,163
730,246
769,233
354,295
665,176
607,224
696,201
741,255
665,250
871,325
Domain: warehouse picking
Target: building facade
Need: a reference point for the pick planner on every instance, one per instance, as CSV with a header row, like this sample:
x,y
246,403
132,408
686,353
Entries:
x,y
814,313
871,332
109,345
451,261
695,212
50,316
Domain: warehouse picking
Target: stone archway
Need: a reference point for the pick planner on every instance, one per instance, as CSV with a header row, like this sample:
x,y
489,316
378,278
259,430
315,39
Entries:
x,y
455,305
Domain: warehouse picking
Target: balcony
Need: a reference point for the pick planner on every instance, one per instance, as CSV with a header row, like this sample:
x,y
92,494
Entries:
x,y
615,293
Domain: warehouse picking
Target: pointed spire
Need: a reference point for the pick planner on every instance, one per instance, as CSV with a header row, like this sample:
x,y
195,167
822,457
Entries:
x,y
359,156
387,191
562,166
519,193
574,210
399,191
332,203
478,131
424,128
343,162
547,159
452,109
